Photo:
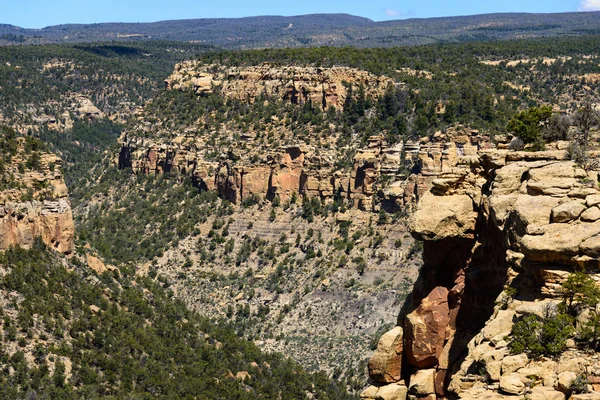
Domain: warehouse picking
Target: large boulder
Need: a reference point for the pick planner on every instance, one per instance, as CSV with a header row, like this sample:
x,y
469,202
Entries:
x,y
425,329
512,384
441,217
422,383
385,364
393,391
511,364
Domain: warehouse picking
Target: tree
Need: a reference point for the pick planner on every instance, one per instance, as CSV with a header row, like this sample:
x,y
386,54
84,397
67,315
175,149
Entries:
x,y
585,119
578,291
528,125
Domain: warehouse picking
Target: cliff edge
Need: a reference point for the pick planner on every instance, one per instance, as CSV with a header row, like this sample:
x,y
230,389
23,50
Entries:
x,y
501,236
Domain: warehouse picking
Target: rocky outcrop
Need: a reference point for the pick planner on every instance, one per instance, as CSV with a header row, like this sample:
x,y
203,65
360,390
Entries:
x,y
374,181
34,203
323,87
21,223
385,364
503,218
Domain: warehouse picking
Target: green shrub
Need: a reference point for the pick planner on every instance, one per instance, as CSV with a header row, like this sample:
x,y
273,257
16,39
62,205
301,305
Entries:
x,y
541,337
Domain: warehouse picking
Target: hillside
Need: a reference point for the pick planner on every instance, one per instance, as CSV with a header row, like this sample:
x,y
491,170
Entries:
x,y
318,30
74,327
313,199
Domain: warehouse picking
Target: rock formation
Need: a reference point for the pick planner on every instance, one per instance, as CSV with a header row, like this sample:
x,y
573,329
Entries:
x,y
310,171
34,203
325,87
503,218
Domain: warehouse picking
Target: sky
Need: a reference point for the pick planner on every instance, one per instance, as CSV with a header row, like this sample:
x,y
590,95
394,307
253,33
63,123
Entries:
x,y
41,13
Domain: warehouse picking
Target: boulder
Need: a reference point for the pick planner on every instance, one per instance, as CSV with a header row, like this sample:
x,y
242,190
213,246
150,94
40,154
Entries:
x,y
512,384
501,323
393,391
559,243
592,200
565,379
568,211
545,393
422,382
385,364
511,364
591,214
425,329
535,210
440,217
369,393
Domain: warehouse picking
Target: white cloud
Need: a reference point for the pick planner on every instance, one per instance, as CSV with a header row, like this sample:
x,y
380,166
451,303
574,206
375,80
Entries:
x,y
392,13
408,13
589,5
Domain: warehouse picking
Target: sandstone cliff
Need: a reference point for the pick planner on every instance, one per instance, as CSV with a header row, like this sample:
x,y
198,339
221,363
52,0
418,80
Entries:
x,y
375,180
325,87
33,200
504,219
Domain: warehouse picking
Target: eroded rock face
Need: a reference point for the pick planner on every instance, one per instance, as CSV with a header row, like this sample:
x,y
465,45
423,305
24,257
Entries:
x,y
23,222
321,86
503,217
426,329
36,207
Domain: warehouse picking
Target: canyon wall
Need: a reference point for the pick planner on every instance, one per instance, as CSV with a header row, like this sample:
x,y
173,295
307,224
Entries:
x,y
324,87
34,203
377,179
506,219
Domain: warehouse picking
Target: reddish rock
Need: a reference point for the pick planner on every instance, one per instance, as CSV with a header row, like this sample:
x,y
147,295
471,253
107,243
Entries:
x,y
425,329
440,378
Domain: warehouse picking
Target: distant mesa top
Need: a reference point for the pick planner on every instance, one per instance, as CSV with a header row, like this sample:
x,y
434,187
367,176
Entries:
x,y
316,30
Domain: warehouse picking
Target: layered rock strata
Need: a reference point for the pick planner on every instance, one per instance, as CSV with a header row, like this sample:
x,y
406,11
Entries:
x,y
374,182
35,204
506,218
324,87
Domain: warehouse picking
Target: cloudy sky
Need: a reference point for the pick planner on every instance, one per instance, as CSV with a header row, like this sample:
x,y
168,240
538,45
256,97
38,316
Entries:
x,y
41,13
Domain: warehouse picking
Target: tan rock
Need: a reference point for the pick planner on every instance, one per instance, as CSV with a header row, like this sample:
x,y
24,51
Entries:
x,y
568,211
591,246
592,200
585,396
494,370
393,391
97,265
545,393
385,364
243,376
501,323
591,214
439,217
422,382
535,210
564,381
511,364
559,242
539,308
369,393
512,384
22,223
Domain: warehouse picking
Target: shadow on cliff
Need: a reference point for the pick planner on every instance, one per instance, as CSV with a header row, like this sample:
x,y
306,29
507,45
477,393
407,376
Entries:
x,y
474,271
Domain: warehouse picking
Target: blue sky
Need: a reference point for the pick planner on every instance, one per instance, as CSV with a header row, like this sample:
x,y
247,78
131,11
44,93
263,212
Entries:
x,y
41,13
